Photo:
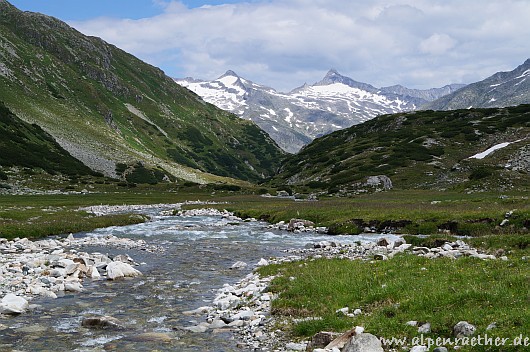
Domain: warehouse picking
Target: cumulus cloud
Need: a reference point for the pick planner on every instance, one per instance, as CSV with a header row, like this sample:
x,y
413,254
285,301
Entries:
x,y
284,43
437,44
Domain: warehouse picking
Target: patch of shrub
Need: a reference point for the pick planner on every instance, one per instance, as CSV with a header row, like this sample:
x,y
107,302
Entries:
x,y
480,173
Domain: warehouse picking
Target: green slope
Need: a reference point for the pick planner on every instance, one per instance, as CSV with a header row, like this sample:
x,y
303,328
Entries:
x,y
424,149
105,106
26,145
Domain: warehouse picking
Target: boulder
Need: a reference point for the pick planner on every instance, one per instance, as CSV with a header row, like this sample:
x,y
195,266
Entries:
x,y
116,270
238,265
363,342
12,304
296,224
321,340
463,328
379,182
102,322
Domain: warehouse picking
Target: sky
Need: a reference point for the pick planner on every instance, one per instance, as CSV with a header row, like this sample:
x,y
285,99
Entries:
x,y
285,43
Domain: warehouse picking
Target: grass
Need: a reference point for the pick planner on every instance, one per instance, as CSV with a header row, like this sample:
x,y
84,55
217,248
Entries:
x,y
390,293
427,211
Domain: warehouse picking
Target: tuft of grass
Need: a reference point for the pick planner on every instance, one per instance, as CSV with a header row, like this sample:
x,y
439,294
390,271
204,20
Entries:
x,y
407,287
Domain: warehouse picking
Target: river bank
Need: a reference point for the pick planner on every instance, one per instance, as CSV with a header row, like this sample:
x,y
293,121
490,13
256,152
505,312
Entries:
x,y
244,306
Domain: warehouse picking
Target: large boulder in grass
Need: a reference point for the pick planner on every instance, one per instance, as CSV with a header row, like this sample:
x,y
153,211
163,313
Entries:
x,y
363,343
13,305
117,270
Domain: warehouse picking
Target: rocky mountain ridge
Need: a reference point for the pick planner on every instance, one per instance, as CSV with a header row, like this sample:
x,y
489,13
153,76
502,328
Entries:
x,y
499,90
295,118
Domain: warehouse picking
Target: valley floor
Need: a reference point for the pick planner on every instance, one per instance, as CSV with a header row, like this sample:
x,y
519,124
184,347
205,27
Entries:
x,y
390,293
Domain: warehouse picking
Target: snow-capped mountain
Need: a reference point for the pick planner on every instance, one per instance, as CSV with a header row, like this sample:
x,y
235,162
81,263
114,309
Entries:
x,y
294,119
500,90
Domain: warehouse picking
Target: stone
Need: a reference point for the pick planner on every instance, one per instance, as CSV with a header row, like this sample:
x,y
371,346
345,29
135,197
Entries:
x,y
343,311
492,326
383,242
116,270
262,262
197,328
425,328
419,349
379,181
158,337
364,342
440,349
73,286
93,273
102,322
321,340
295,346
238,265
13,305
218,324
295,224
463,328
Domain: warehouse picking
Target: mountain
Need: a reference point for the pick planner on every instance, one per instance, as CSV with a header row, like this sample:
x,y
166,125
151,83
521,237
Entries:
x,y
108,108
294,119
500,90
470,149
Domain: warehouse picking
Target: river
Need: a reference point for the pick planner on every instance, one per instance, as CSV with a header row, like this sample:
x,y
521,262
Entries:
x,y
195,262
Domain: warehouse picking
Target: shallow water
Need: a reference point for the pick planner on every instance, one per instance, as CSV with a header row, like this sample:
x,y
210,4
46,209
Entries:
x,y
198,253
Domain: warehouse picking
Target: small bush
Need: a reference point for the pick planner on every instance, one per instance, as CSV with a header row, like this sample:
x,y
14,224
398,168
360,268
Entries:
x,y
480,173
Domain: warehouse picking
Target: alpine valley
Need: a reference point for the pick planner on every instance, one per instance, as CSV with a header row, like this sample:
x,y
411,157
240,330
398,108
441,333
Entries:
x,y
294,119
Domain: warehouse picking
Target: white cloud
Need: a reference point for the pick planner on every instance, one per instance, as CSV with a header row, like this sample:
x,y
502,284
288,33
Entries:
x,y
437,44
284,43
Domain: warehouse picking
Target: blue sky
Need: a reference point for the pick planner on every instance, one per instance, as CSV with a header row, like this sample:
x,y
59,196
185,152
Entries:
x,y
286,43
77,10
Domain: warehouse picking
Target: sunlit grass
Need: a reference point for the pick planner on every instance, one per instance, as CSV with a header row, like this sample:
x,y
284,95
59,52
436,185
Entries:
x,y
390,293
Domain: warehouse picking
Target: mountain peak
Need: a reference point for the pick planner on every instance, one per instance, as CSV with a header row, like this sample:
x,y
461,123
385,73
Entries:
x,y
333,76
229,73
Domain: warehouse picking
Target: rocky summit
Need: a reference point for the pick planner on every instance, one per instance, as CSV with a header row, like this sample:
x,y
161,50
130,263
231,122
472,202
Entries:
x,y
295,118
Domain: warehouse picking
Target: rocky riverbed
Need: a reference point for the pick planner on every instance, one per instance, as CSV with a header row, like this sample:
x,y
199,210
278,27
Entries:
x,y
52,267
191,293
245,306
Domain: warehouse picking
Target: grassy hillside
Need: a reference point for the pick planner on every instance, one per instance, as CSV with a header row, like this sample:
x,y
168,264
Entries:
x,y
105,106
27,145
418,150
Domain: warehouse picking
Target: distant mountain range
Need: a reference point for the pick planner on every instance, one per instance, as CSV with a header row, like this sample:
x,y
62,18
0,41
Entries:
x,y
500,90
294,119
107,108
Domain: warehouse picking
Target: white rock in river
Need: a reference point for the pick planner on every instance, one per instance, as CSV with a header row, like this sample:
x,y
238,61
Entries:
x,y
238,265
13,304
262,262
117,270
93,272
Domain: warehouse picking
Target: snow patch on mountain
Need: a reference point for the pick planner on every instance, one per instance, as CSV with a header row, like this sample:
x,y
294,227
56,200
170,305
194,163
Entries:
x,y
490,150
294,119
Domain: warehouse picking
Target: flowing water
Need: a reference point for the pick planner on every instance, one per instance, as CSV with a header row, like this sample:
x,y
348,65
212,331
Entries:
x,y
196,260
